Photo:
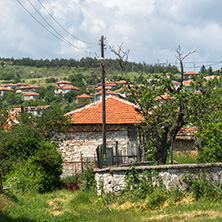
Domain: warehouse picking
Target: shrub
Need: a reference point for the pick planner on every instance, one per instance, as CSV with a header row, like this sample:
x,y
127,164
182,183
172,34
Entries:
x,y
88,178
41,171
201,187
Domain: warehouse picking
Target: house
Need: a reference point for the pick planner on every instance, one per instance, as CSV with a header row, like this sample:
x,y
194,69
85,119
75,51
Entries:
x,y
98,95
26,89
4,90
85,132
9,85
83,99
62,89
17,85
108,84
187,75
184,141
34,110
63,82
31,95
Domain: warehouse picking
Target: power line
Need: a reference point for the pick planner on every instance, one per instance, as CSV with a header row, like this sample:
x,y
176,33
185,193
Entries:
x,y
63,27
61,39
68,42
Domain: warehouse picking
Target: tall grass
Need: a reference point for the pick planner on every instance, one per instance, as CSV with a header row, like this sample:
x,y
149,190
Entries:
x,y
184,157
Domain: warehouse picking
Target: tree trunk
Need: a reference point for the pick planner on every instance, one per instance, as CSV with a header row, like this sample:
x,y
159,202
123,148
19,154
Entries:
x,y
1,187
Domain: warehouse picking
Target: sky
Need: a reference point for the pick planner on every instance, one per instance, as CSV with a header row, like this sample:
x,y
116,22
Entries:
x,y
151,29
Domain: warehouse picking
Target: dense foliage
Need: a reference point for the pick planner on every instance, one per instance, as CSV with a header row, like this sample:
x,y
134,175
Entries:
x,y
28,160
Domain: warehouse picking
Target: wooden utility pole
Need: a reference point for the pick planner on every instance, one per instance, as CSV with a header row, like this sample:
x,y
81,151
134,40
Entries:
x,y
103,98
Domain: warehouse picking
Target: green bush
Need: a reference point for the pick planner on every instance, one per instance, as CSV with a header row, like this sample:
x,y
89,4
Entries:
x,y
202,188
40,172
157,199
88,179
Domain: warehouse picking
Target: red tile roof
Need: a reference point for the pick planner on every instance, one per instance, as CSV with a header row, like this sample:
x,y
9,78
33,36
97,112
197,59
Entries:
x,y
66,86
28,87
9,84
191,73
83,96
21,84
2,88
164,96
108,92
32,94
118,111
187,83
63,82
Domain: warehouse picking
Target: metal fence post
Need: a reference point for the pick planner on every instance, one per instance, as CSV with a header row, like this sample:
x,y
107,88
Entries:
x,y
117,154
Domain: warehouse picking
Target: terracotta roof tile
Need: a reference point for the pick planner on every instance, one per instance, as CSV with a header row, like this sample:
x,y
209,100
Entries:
x,y
2,88
63,82
108,92
32,94
118,111
191,73
83,96
66,86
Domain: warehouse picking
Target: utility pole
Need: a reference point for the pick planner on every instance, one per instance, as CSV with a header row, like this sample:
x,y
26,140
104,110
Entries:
x,y
103,99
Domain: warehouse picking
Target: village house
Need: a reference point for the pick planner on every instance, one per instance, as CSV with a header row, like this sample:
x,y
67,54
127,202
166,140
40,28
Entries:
x,y
187,75
4,90
31,96
34,110
17,85
26,89
85,132
63,82
83,99
9,85
98,95
65,88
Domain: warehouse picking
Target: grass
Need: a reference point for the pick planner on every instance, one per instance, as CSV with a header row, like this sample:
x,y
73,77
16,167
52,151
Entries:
x,y
182,157
63,205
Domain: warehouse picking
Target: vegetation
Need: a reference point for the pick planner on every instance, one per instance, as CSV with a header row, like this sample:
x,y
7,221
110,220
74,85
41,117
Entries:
x,y
166,109
28,160
141,201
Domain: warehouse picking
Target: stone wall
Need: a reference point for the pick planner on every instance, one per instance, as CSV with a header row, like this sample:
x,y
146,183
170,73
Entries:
x,y
113,179
84,139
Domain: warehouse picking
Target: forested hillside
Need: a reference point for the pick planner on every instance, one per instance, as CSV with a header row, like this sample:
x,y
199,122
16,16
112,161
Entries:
x,y
83,73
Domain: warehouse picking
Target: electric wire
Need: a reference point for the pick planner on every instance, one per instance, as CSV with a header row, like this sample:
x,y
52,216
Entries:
x,y
61,39
68,42
93,43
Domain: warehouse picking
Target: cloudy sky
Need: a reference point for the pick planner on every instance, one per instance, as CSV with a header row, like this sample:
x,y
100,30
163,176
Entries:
x,y
150,29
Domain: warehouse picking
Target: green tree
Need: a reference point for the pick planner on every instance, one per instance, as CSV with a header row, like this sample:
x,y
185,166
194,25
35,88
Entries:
x,y
210,71
203,70
167,109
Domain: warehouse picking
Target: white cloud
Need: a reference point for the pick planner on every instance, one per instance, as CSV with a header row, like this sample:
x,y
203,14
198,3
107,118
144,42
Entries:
x,y
150,29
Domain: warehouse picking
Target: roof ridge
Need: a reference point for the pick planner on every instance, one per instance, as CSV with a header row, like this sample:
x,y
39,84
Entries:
x,y
99,102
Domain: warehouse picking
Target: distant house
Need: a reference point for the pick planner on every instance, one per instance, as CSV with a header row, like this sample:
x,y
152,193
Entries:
x,y
85,132
35,110
62,89
26,89
184,140
83,99
31,96
63,82
187,75
4,90
121,83
98,95
108,84
9,85
17,85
